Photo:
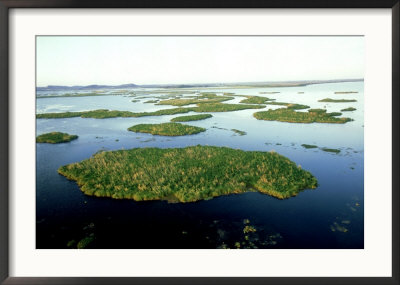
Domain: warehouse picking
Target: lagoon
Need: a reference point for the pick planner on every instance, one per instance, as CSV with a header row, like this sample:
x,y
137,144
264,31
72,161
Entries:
x,y
64,213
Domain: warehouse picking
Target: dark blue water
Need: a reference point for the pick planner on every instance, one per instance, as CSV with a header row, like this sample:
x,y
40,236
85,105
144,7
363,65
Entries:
x,y
331,216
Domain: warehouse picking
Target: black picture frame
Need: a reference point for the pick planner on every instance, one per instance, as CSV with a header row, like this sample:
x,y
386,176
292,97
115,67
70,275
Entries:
x,y
6,5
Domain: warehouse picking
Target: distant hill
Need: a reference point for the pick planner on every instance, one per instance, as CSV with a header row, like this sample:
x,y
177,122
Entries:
x,y
87,87
250,84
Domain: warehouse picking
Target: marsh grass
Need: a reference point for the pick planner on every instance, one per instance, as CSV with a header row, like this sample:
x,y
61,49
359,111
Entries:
x,y
309,146
291,116
349,109
239,132
55,137
330,100
293,106
167,129
191,118
334,150
255,100
187,174
104,113
204,98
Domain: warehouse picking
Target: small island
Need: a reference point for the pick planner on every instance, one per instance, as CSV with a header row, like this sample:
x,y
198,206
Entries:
x,y
239,132
187,174
345,92
330,100
334,150
167,129
291,116
150,101
55,137
255,100
348,109
191,118
204,98
293,106
309,145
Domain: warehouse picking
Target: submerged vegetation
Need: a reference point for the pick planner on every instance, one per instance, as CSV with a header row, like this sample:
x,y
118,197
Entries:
x,y
309,145
167,129
191,118
349,109
239,132
55,137
104,113
187,174
334,150
291,116
330,100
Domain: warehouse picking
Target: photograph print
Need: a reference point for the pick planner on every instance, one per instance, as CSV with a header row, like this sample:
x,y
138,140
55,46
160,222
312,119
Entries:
x,y
200,142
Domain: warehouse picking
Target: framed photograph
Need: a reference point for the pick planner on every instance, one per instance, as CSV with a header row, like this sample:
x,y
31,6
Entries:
x,y
218,145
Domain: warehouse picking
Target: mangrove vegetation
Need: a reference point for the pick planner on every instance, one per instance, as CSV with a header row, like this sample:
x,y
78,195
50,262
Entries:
x,y
167,129
349,109
187,174
330,100
104,113
291,116
55,137
191,118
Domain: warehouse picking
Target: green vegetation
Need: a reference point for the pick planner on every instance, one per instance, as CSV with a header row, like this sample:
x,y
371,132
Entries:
x,y
204,98
331,150
255,100
187,174
103,113
85,242
249,229
309,146
345,92
167,129
191,118
55,137
151,101
291,116
292,106
337,100
220,107
135,100
348,109
239,132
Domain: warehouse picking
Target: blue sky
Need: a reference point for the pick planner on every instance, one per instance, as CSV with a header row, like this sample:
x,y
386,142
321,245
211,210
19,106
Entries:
x,y
72,60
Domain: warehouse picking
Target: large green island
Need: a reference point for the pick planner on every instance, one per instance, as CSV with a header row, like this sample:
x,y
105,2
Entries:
x,y
187,174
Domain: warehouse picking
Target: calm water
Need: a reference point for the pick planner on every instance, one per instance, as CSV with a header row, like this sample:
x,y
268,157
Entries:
x,y
331,216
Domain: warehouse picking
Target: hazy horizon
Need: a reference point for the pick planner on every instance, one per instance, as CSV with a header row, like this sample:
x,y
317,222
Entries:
x,y
160,60
195,83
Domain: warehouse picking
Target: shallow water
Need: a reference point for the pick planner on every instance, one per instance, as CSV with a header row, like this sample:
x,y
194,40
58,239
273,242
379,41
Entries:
x,y
330,216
